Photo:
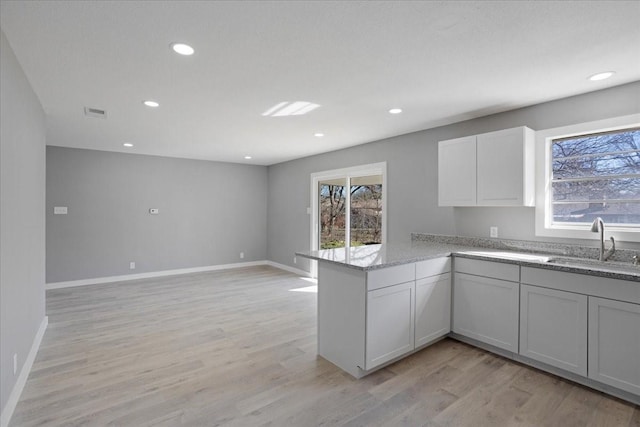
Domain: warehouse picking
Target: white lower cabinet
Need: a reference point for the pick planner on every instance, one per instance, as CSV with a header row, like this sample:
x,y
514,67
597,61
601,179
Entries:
x,y
553,328
433,308
390,323
486,309
575,322
614,343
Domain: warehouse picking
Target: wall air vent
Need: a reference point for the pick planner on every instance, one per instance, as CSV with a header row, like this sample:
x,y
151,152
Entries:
x,y
95,112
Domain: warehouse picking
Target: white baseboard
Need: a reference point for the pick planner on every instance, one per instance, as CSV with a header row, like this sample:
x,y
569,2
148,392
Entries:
x,y
128,277
289,269
8,409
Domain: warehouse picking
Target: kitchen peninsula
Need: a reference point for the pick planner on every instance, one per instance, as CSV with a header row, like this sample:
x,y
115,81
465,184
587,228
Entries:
x,y
380,303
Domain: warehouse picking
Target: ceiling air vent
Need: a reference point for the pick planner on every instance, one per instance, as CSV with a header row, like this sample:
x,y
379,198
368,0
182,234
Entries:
x,y
95,112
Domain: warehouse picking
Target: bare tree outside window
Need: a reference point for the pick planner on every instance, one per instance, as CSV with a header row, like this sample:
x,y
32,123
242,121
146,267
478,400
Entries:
x,y
365,215
332,216
597,175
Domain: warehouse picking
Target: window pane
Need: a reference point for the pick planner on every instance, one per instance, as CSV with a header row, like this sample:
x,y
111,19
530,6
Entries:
x,y
600,189
366,213
597,175
332,214
611,213
597,143
602,165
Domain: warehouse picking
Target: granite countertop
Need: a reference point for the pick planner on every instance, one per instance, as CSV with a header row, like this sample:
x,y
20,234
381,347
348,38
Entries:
x,y
372,257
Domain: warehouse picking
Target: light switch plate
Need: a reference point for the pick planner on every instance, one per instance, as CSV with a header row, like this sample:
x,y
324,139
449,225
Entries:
x,y
60,210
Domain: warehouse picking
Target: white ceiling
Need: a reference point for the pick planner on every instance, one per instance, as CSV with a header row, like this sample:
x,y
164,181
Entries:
x,y
441,62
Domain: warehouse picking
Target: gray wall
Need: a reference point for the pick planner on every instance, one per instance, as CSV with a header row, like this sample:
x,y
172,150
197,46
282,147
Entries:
x,y
22,234
412,171
209,212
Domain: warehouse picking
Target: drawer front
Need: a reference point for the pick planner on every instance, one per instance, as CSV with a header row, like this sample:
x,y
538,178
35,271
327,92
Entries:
x,y
433,267
603,287
384,277
496,270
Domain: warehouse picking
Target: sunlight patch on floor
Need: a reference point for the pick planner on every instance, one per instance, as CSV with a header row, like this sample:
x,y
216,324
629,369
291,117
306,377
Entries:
x,y
312,289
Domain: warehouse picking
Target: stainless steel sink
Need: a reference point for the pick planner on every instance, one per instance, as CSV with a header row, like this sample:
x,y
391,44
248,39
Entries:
x,y
594,263
515,256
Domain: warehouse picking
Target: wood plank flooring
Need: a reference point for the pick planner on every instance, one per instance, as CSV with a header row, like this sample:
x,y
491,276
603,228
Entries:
x,y
238,348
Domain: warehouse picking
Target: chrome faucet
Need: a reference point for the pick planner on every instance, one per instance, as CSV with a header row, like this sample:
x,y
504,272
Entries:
x,y
598,226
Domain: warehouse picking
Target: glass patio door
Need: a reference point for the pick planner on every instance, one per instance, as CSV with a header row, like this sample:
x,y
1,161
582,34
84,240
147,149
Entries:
x,y
348,207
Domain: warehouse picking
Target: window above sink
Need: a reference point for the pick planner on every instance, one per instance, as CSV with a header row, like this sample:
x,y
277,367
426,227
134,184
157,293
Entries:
x,y
585,171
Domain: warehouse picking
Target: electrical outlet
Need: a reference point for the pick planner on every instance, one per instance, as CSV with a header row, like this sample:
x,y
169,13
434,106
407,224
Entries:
x,y
15,363
132,265
493,231
241,255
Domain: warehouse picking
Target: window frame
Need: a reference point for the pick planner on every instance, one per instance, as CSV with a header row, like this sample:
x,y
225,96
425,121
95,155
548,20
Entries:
x,y
544,172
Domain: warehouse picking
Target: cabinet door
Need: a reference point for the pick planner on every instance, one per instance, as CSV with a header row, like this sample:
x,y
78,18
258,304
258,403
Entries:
x,y
457,172
390,323
502,168
486,309
433,308
553,328
614,343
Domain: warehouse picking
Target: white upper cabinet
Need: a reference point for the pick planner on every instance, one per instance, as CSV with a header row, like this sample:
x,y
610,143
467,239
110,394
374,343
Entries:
x,y
505,168
490,169
457,172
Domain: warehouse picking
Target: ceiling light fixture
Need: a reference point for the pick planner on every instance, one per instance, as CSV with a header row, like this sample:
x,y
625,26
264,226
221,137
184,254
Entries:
x,y
318,135
297,108
395,111
182,49
247,157
95,112
128,144
601,76
152,104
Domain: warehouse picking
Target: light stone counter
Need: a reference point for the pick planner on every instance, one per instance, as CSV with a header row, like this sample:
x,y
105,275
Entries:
x,y
372,257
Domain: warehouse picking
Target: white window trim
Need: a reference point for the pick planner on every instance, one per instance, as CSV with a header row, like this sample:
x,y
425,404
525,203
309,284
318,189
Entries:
x,y
348,173
543,180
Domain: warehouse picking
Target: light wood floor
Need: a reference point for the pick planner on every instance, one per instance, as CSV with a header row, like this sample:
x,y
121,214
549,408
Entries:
x,y
237,348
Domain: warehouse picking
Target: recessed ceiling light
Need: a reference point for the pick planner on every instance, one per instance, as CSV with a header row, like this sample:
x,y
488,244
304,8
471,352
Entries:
x,y
318,135
182,49
247,157
395,111
601,76
128,144
297,108
152,104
